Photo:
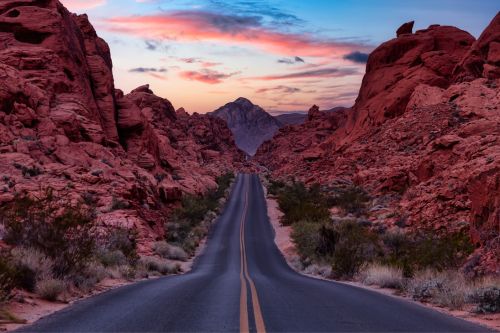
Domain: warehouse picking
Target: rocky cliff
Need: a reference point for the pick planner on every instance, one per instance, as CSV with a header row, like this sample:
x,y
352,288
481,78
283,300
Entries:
x,y
423,137
64,125
250,124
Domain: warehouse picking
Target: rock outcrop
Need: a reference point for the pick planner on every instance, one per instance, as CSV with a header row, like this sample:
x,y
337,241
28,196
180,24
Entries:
x,y
250,124
423,137
64,125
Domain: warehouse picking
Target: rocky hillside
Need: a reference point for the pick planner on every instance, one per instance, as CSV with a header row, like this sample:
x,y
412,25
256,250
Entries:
x,y
291,118
64,125
423,137
250,124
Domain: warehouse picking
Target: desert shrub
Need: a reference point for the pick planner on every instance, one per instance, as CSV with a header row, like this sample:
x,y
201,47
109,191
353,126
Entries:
x,y
426,250
299,203
184,226
352,200
305,235
159,265
122,240
165,250
111,258
354,246
487,299
383,276
29,266
92,274
448,289
275,187
50,289
7,277
53,225
346,245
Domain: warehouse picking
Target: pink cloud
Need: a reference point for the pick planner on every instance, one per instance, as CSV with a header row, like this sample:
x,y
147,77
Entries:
x,y
200,25
206,76
82,4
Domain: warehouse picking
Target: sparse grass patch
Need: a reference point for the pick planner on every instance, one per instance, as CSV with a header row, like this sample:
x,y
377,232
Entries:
x,y
50,289
382,276
154,264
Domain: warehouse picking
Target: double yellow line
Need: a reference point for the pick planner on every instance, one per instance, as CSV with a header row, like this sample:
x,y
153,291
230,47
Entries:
x,y
244,277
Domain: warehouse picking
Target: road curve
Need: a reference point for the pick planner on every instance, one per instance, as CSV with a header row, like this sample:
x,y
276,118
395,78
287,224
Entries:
x,y
242,283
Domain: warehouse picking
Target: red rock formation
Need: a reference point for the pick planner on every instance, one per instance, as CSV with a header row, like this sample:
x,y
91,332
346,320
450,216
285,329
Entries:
x,y
405,28
63,124
421,139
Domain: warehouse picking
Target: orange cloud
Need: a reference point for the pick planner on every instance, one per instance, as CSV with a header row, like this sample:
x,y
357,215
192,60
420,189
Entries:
x,y
82,4
248,30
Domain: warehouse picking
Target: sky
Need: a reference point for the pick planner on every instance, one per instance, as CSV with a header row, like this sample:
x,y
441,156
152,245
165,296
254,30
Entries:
x,y
284,55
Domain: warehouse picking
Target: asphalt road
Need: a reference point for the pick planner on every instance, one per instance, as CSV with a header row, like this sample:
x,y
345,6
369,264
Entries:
x,y
242,283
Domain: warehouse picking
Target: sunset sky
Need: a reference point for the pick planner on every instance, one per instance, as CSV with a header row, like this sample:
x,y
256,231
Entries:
x,y
284,55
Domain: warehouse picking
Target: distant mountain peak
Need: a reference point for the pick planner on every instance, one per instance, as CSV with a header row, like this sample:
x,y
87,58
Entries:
x,y
251,125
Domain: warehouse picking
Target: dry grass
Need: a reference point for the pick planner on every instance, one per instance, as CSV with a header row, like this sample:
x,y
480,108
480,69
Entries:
x,y
382,276
154,264
37,262
50,289
165,250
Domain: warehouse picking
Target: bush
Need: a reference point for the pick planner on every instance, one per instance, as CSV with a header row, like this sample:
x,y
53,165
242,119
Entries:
x,y
354,245
352,200
165,250
382,276
299,203
124,241
426,250
50,289
275,187
31,265
183,228
111,258
158,265
305,235
448,289
52,225
488,299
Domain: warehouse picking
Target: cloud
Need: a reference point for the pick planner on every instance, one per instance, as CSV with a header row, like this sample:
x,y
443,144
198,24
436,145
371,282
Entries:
x,y
203,63
325,72
206,76
357,57
148,70
280,89
198,25
83,4
291,61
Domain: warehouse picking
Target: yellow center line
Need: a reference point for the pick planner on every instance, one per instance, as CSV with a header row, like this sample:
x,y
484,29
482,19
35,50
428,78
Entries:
x,y
259,321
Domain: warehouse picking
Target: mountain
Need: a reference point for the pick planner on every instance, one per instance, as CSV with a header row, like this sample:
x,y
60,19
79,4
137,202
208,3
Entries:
x,y
422,138
250,124
64,125
294,118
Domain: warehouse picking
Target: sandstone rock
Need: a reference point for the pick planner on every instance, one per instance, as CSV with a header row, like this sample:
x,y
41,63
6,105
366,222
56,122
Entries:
x,y
405,28
423,134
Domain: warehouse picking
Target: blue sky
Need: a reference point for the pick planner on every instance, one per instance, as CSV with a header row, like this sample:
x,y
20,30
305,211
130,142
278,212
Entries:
x,y
283,55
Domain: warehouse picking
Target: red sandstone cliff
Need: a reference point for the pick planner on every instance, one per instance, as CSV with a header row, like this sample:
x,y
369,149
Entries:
x,y
63,124
423,136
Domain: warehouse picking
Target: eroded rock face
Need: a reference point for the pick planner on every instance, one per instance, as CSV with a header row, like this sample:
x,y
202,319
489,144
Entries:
x,y
421,141
64,125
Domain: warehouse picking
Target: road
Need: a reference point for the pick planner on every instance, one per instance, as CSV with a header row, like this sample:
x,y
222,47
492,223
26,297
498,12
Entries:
x,y
242,283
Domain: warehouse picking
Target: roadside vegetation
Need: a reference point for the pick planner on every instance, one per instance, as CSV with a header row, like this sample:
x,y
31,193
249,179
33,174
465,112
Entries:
x,y
55,249
346,245
192,220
